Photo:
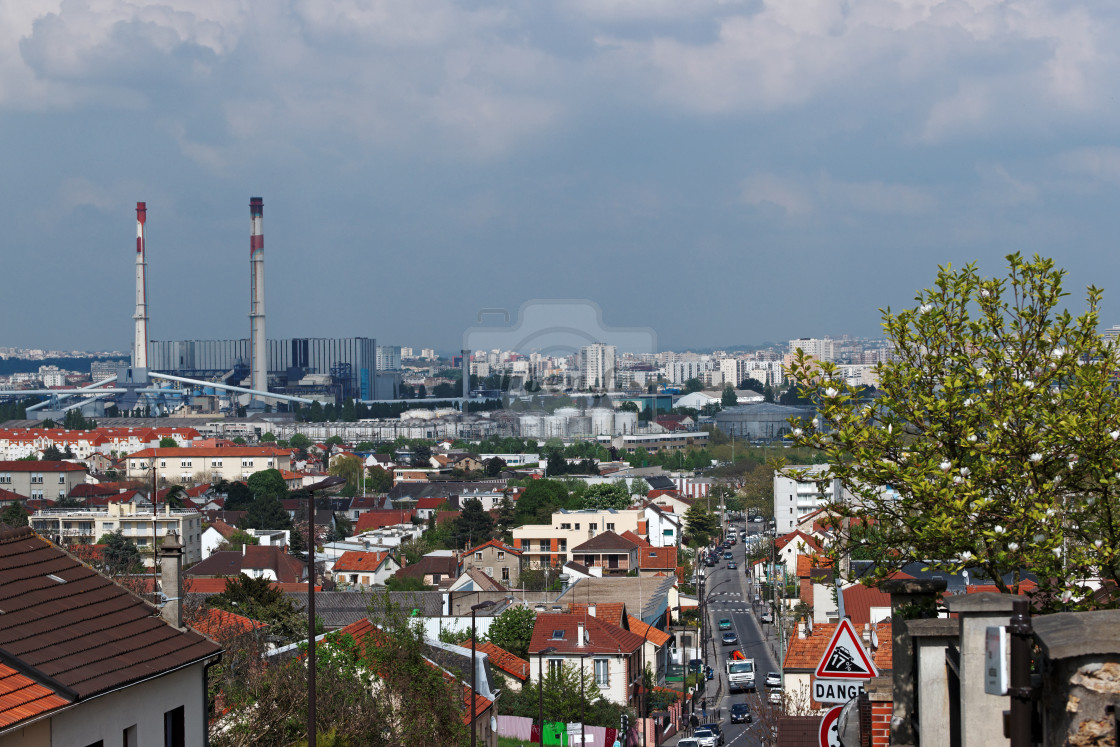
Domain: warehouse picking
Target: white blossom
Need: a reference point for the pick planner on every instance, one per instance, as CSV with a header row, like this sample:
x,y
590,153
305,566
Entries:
x,y
999,529
966,555
925,308
831,392
965,471
1057,552
946,466
984,293
1098,543
797,431
1028,384
1013,546
1115,435
972,437
1036,457
816,422
1066,596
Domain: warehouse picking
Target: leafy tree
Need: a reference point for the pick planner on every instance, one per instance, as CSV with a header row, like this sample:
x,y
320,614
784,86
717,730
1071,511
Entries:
x,y
638,486
266,512
494,466
349,467
768,394
299,441
74,421
238,496
335,441
564,697
120,553
628,406
607,495
753,385
422,456
239,441
540,499
473,526
693,385
258,599
268,438
728,399
513,630
445,391
238,540
507,516
176,496
14,515
379,480
701,524
406,583
557,464
167,442
52,454
268,482
993,443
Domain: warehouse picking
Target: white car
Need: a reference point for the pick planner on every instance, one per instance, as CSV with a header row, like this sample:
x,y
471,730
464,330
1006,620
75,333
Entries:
x,y
776,696
773,679
705,738
688,742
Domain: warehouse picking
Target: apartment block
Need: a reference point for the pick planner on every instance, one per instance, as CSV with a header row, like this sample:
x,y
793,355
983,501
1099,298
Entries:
x,y
550,545
196,465
85,526
44,480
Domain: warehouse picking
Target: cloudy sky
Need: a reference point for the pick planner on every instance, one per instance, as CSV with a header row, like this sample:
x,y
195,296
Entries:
x,y
722,172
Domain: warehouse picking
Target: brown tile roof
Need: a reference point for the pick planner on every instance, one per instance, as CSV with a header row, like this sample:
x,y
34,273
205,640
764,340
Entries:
x,y
657,558
494,543
602,637
605,541
636,539
799,536
446,566
612,612
78,628
381,518
222,528
804,654
7,495
287,568
504,660
221,626
22,697
354,560
651,634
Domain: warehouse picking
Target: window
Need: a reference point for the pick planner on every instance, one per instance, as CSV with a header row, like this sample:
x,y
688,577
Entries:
x,y
61,478
128,739
162,463
501,555
478,556
567,525
602,672
593,527
505,574
215,462
563,545
106,526
174,728
184,462
36,478
246,462
558,634
610,526
544,545
577,526
555,667
6,478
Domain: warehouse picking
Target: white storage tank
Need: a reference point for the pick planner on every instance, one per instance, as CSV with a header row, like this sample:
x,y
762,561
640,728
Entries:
x,y
567,412
553,426
602,421
625,423
579,425
530,426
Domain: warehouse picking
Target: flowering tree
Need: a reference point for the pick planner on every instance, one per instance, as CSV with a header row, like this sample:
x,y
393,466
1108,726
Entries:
x,y
993,443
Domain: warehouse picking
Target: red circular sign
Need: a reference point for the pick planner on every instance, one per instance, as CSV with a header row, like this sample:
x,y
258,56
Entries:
x,y
830,728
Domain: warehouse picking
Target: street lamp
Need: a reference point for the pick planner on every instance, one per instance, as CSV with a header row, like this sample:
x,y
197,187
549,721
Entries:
x,y
582,704
474,667
540,685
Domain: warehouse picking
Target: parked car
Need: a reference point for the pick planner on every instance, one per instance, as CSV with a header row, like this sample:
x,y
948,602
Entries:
x,y
710,562
705,738
730,639
741,713
688,742
725,623
695,666
773,679
767,617
714,729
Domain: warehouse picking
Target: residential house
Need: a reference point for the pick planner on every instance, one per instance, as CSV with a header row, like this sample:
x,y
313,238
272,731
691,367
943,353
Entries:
x,y
216,534
255,561
45,480
788,546
657,561
547,545
196,465
440,568
7,498
497,560
615,555
86,662
373,520
474,579
606,652
364,569
515,669
663,527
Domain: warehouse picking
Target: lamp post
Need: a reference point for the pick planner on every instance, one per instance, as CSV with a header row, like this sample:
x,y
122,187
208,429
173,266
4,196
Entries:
x,y
474,667
540,686
582,704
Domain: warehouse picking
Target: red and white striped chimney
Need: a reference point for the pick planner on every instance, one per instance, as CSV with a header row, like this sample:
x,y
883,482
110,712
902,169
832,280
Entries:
x,y
258,364
140,336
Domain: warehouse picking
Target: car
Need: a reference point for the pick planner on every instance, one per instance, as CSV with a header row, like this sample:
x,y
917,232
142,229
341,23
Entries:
x,y
731,565
688,742
775,696
725,623
741,713
757,598
705,737
727,555
695,666
767,617
714,729
773,679
732,541
710,562
730,639
757,519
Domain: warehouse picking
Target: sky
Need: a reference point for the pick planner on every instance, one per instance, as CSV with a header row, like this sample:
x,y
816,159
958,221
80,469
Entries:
x,y
719,172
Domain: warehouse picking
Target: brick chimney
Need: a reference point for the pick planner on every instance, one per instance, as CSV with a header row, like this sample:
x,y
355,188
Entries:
x,y
171,579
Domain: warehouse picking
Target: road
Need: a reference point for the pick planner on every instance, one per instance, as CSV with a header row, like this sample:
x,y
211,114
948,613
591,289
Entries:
x,y
727,593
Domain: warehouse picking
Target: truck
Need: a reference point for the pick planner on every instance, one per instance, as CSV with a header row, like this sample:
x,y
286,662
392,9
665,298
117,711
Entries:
x,y
740,674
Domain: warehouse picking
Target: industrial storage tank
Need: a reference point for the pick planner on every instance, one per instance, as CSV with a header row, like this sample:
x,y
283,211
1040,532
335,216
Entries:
x,y
567,412
579,425
625,423
530,426
602,421
554,426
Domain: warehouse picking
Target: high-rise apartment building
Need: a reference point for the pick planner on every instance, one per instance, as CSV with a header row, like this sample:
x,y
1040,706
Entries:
x,y
597,366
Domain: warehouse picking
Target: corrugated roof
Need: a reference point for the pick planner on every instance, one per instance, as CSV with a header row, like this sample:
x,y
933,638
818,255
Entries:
x,y
78,628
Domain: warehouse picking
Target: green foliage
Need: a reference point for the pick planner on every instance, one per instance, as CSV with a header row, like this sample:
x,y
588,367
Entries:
x,y
422,456
167,442
268,482
513,630
299,441
607,495
473,526
334,441
238,496
258,599
628,406
728,398
701,524
266,512
564,699
406,583
75,422
14,515
539,500
378,480
753,385
507,516
120,553
994,441
268,438
693,385
52,454
494,466
239,441
349,467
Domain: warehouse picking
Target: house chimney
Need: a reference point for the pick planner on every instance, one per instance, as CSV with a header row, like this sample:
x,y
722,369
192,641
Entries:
x,y
801,631
579,634
171,579
591,610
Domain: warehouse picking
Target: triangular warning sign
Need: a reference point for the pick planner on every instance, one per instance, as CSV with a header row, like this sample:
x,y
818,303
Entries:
x,y
845,657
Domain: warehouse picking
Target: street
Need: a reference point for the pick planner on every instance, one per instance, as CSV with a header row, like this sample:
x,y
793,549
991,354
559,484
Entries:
x,y
728,595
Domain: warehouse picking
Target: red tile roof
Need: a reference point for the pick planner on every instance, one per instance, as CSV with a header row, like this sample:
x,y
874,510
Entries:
x,y
636,539
610,611
504,660
799,536
651,634
41,466
22,697
494,543
430,503
657,558
805,653
381,518
198,451
858,601
602,637
78,627
354,560
7,495
221,626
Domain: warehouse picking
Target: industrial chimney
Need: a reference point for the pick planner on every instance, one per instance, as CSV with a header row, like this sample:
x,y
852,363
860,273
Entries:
x,y
140,336
258,365
466,366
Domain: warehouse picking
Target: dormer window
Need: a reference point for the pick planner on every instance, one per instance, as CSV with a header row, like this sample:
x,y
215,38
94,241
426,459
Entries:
x,y
558,635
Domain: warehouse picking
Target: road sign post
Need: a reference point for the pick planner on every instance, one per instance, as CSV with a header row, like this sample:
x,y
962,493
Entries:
x,y
844,668
830,730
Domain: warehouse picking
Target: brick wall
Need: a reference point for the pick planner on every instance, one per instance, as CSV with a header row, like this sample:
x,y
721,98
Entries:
x,y
881,723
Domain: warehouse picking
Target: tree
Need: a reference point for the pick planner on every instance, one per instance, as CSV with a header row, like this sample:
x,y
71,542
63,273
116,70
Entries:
x,y
556,464
729,399
422,456
299,441
239,441
566,692
379,480
473,526
268,438
335,441
607,495
539,500
258,599
120,553
445,391
507,516
52,454
167,442
753,385
494,466
176,496
406,583
238,497
238,540
14,515
268,482
701,524
266,512
350,467
639,486
693,385
629,406
513,630
993,441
